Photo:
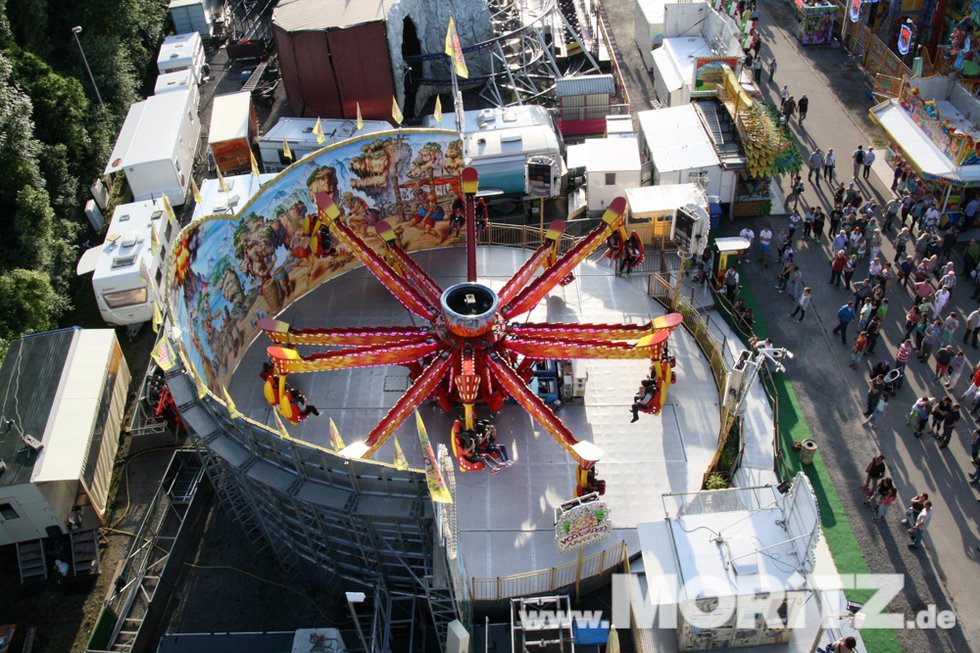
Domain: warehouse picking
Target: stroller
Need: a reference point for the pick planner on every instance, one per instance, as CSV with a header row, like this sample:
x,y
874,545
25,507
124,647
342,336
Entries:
x,y
893,377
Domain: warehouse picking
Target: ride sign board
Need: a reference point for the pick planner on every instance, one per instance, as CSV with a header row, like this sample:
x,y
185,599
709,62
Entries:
x,y
541,177
581,523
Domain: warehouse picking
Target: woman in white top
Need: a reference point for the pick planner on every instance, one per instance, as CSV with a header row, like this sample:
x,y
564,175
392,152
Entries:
x,y
802,304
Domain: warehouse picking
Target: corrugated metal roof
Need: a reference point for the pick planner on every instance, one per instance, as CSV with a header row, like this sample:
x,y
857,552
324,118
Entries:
x,y
585,85
312,15
29,381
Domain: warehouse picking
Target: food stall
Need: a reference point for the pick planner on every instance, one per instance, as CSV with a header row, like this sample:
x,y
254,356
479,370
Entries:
x,y
816,21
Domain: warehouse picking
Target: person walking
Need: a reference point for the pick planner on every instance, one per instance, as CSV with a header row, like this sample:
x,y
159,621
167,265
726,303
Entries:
x,y
883,498
860,347
757,70
858,158
880,406
829,162
748,234
950,421
849,268
902,355
772,70
837,268
789,109
815,163
876,385
875,471
944,356
974,382
950,325
802,304
956,367
919,415
918,530
939,413
845,315
802,107
731,284
869,158
765,241
929,339
795,283
972,322
783,96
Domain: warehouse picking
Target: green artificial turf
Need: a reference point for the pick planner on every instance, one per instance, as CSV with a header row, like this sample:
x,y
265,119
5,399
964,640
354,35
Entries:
x,y
840,536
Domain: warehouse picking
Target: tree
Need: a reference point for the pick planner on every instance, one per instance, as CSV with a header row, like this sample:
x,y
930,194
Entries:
x,y
28,303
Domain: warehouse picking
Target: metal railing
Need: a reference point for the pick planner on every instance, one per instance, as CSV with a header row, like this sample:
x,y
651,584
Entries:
x,y
548,580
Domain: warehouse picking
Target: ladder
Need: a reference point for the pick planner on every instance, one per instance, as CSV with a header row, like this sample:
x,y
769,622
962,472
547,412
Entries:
x,y
31,560
85,552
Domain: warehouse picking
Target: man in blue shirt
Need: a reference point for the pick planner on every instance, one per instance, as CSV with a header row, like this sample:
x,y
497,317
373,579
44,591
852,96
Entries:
x,y
844,316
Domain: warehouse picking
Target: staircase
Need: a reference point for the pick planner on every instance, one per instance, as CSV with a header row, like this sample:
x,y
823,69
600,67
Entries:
x,y
85,552
31,560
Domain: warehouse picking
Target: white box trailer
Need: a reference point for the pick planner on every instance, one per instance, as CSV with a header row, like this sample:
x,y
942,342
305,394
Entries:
x,y
298,132
192,16
178,80
498,143
233,125
65,400
680,151
241,189
648,27
157,144
675,211
182,52
130,266
611,166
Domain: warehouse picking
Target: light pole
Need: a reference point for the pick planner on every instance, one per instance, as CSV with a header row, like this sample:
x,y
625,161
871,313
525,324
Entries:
x,y
352,598
76,31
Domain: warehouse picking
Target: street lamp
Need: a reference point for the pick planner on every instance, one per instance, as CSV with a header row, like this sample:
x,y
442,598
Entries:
x,y
352,598
76,31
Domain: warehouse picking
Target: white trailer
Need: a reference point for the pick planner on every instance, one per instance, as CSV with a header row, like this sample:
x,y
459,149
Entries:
x,y
298,132
192,16
498,142
611,166
675,211
157,144
680,151
241,189
182,52
63,410
648,27
178,80
130,266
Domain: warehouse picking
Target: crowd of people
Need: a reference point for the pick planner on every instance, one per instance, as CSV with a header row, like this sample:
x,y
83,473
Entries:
x,y
922,267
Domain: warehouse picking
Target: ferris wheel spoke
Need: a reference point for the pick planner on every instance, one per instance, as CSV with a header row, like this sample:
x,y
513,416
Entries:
x,y
419,391
584,453
529,297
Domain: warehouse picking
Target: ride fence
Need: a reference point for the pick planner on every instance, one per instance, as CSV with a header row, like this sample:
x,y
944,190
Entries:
x,y
545,581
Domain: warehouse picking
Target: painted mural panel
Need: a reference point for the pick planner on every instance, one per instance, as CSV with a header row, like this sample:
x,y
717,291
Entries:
x,y
227,272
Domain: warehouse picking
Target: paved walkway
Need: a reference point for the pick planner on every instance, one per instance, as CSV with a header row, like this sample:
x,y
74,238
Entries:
x,y
944,572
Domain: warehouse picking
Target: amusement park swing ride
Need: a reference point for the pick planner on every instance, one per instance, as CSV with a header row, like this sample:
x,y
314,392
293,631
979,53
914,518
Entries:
x,y
470,351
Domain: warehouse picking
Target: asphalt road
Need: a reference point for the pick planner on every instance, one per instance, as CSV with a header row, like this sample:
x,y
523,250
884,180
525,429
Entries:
x,y
944,572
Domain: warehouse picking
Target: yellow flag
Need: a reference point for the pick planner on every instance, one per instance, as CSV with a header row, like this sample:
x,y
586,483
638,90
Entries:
x,y
196,192
255,164
157,317
221,179
233,411
318,131
335,440
154,240
438,112
286,152
455,51
169,211
360,120
163,354
396,112
400,461
438,490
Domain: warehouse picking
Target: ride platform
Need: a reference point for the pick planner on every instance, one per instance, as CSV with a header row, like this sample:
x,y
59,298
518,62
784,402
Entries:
x,y
506,521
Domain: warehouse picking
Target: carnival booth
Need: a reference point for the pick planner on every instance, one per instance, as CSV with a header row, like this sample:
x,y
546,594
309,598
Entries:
x,y
815,20
930,127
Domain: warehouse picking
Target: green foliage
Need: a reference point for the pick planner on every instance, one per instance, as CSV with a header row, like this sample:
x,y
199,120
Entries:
x,y
55,137
28,303
716,482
